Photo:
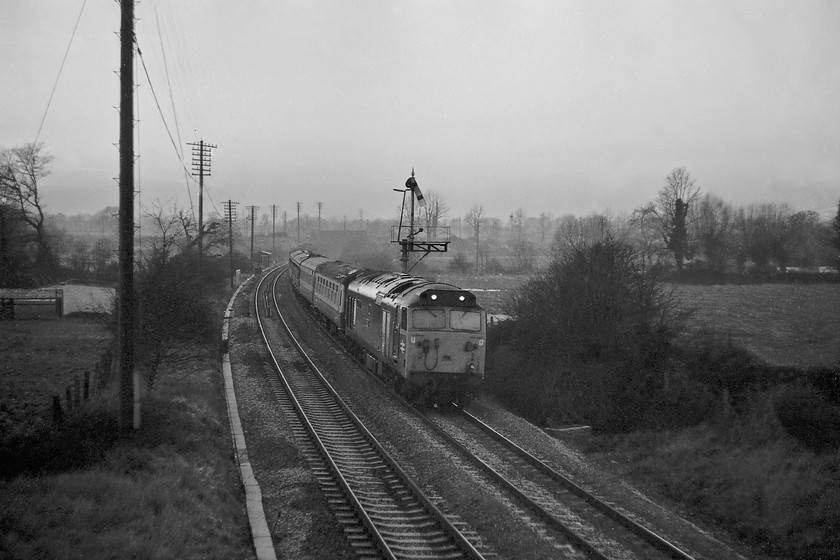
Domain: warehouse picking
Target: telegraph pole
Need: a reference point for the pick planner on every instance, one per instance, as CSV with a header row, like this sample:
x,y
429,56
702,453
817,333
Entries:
x,y
298,223
253,216
319,217
201,153
230,216
129,410
273,222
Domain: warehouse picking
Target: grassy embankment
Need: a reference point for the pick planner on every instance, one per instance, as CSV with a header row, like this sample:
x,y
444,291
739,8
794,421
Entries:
x,y
169,490
741,469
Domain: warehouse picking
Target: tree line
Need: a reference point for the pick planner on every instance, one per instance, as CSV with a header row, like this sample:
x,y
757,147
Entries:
x,y
682,231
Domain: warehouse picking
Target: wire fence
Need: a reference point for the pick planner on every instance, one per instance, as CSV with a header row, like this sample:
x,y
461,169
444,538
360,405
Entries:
x,y
84,387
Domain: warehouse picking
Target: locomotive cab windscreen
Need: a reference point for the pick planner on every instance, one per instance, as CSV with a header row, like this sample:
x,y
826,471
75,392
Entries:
x,y
455,310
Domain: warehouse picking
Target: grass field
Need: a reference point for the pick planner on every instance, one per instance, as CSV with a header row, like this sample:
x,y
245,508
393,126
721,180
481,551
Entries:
x,y
81,490
40,358
784,324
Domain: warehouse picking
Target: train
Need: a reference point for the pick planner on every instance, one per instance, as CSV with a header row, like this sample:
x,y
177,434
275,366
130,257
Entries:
x,y
426,339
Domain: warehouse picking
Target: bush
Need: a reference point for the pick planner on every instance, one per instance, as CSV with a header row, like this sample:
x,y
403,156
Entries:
x,y
592,334
594,303
173,315
494,267
368,256
808,417
722,365
827,381
83,439
612,397
460,264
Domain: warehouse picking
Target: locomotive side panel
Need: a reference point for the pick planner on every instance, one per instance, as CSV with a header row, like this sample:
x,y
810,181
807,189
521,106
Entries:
x,y
365,326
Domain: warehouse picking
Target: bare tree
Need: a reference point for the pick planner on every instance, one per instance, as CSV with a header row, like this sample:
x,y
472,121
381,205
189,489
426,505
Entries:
x,y
573,232
523,250
643,232
545,223
435,209
21,169
80,255
473,219
102,254
806,239
713,227
173,319
187,237
762,232
835,237
672,208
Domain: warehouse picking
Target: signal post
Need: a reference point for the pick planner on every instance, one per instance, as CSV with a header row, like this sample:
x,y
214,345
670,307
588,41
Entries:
x,y
436,238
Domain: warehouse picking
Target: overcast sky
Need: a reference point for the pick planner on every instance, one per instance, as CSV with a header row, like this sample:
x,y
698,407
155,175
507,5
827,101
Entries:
x,y
567,107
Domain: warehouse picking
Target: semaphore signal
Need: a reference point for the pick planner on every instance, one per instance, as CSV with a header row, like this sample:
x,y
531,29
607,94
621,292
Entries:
x,y
436,238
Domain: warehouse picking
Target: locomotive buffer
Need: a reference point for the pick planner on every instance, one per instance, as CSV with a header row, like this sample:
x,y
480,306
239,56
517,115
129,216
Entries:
x,y
435,238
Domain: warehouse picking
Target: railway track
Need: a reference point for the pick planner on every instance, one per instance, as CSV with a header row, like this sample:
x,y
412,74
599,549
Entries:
x,y
383,513
591,525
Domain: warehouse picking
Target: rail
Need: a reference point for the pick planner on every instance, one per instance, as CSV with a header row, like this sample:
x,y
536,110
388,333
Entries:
x,y
399,527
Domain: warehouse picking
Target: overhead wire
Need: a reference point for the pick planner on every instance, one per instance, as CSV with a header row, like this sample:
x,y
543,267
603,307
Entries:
x,y
174,111
60,70
160,111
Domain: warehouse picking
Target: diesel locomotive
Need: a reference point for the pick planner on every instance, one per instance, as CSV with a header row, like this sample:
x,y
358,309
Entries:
x,y
425,338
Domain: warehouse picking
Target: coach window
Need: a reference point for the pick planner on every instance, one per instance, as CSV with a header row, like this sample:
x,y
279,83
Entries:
x,y
403,318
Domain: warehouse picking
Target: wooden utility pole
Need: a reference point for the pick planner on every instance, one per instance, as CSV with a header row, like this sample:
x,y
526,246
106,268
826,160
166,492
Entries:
x,y
201,153
129,410
273,228
319,217
298,223
253,217
230,216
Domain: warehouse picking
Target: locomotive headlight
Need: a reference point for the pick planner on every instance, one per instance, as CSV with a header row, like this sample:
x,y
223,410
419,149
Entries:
x,y
461,298
434,296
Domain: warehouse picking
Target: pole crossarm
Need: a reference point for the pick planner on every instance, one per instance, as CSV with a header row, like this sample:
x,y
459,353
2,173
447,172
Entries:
x,y
201,152
435,238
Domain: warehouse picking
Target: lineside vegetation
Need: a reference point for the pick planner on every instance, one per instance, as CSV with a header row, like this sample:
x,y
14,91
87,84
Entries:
x,y
597,339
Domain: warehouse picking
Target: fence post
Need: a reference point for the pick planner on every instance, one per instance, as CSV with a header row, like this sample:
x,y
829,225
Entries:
x,y
87,386
69,398
76,392
57,413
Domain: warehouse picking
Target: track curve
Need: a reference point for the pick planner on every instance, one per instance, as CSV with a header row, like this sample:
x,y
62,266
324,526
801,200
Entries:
x,y
398,519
